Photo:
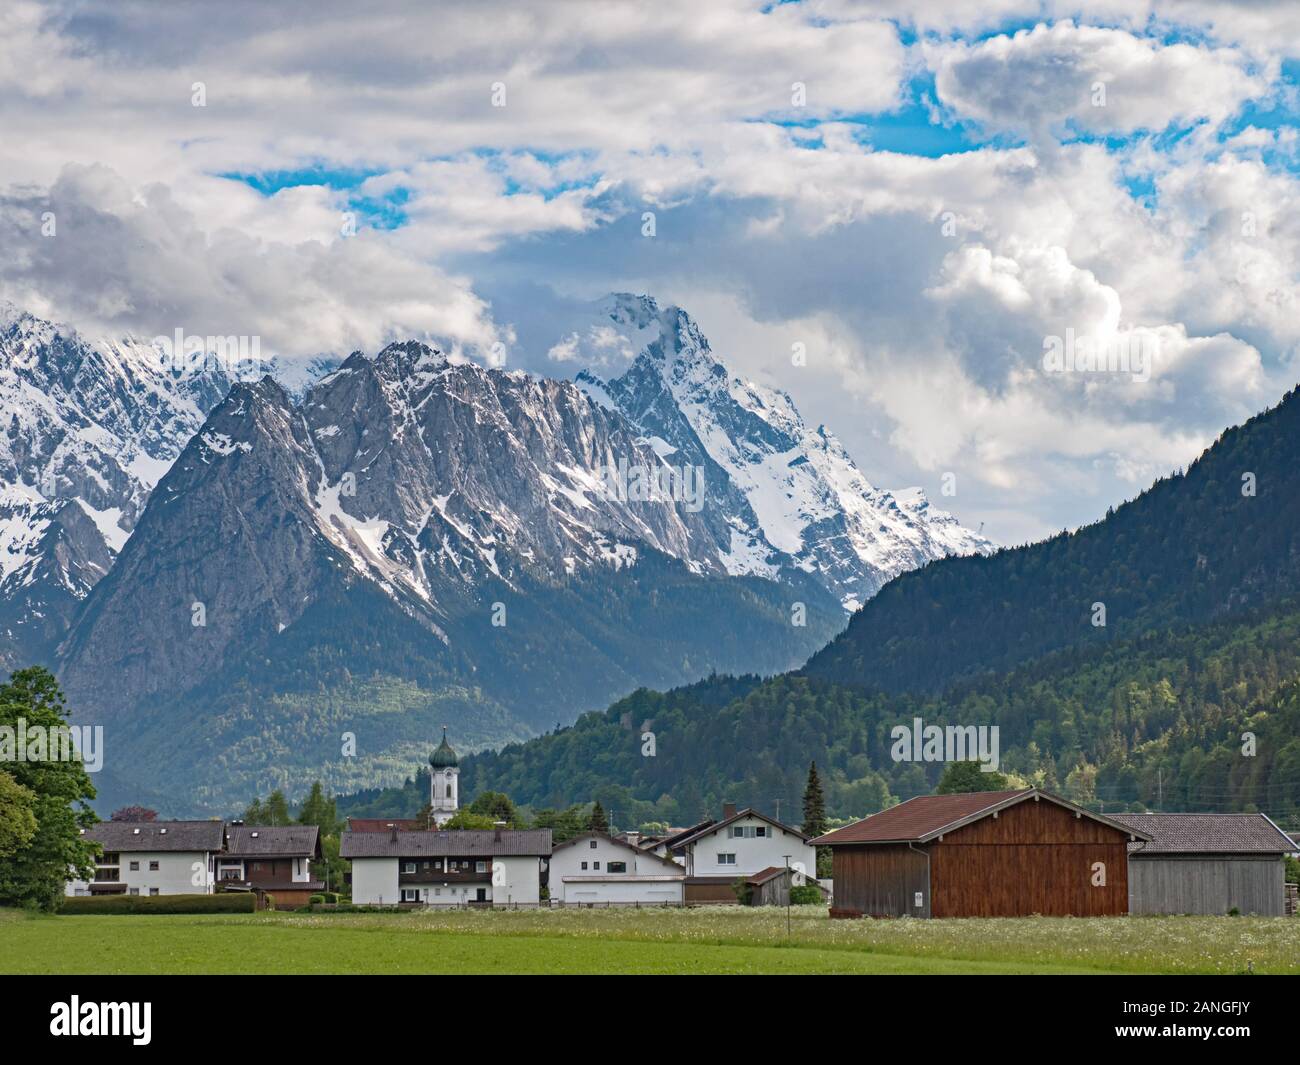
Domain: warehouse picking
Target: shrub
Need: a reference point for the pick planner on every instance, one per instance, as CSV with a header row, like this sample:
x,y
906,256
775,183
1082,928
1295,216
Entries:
x,y
227,902
805,895
316,899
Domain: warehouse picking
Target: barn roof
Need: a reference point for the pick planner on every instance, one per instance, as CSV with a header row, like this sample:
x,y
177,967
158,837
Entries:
x,y
926,817
158,836
1207,834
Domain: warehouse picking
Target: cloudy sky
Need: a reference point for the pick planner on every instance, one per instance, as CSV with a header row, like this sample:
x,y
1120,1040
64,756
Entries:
x,y
918,193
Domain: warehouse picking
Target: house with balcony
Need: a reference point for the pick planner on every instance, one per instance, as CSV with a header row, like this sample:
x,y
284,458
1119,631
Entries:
x,y
273,860
153,858
496,867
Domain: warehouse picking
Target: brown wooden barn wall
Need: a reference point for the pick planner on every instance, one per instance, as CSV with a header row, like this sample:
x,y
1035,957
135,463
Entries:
x,y
879,881
1034,857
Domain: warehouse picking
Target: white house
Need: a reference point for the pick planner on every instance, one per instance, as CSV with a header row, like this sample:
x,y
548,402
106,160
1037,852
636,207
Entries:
x,y
500,867
596,868
744,843
153,858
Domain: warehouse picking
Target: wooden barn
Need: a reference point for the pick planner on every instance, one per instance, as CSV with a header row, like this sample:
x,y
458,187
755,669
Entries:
x,y
1207,863
981,854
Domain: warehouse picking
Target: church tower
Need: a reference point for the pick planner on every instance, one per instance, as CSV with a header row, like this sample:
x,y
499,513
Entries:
x,y
444,776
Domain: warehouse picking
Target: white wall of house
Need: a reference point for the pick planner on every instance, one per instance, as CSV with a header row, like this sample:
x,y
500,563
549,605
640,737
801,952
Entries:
x,y
516,880
374,881
646,890
177,873
753,853
590,856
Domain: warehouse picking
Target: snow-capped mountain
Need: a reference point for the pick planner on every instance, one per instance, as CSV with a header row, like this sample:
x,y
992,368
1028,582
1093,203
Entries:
x,y
790,496
86,431
469,542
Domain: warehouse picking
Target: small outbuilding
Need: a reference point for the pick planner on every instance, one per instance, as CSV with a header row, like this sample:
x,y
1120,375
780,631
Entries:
x,y
1207,863
981,854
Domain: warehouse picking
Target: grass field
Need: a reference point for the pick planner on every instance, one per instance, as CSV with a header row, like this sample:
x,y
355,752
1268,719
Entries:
x,y
714,940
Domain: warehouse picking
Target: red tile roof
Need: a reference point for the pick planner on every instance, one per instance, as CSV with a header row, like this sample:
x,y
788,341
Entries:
x,y
918,817
927,816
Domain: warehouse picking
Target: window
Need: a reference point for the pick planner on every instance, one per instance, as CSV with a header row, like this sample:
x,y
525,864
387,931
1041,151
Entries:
x,y
153,891
616,867
408,867
153,867
596,866
727,859
135,891
760,831
480,867
747,831
135,867
410,895
584,867
593,844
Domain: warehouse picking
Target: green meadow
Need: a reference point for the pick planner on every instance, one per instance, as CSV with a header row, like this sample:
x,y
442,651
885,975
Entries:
x,y
706,940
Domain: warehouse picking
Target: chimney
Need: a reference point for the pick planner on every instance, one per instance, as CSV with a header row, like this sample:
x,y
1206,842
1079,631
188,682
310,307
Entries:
x,y
497,826
392,833
634,838
728,810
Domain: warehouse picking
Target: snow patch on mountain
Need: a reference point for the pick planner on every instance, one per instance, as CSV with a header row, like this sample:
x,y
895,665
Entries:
x,y
791,495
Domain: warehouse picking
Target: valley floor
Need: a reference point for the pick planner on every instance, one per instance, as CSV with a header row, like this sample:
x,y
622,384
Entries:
x,y
713,940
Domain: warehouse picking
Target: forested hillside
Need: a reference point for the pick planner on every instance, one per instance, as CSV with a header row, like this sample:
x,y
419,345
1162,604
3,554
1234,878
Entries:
x,y
1153,722
1222,537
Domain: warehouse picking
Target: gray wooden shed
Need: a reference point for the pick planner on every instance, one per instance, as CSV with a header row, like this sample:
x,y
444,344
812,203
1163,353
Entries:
x,y
1206,863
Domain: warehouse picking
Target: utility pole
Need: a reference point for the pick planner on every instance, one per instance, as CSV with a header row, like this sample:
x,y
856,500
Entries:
x,y
788,885
1160,788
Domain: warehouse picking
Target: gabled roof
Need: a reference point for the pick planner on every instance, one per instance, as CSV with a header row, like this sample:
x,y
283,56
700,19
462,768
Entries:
x,y
448,843
269,841
927,817
1207,834
158,836
638,851
675,838
714,826
384,824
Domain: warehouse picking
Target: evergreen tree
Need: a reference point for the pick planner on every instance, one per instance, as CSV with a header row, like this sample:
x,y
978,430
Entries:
x,y
598,822
814,805
277,809
319,810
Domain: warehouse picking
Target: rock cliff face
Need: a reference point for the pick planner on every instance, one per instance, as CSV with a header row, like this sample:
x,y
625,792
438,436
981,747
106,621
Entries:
x,y
789,497
234,577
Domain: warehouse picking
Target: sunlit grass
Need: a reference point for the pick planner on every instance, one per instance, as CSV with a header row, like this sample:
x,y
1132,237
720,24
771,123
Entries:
x,y
656,940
